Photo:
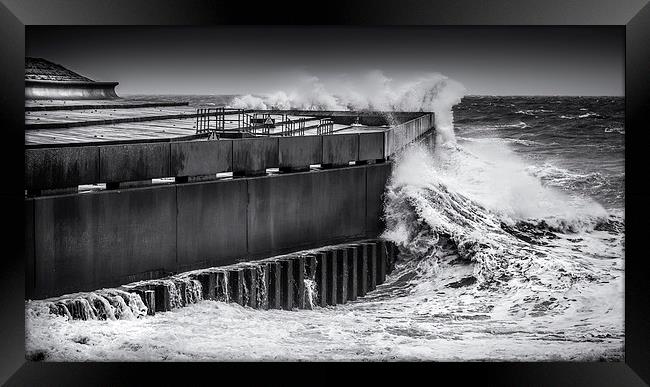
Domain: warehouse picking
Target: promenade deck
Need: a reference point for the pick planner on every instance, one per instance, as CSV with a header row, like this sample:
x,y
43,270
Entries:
x,y
60,122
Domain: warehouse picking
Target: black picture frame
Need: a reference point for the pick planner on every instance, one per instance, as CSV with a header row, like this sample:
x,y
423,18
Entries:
x,y
634,16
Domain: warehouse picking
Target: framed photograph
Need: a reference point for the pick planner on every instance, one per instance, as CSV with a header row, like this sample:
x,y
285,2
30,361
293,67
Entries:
x,y
370,190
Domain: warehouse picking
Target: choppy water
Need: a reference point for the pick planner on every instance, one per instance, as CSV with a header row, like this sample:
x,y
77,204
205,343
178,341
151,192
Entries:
x,y
512,246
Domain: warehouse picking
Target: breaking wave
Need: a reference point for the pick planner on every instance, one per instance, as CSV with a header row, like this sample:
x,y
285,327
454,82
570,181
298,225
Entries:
x,y
615,129
518,141
560,177
475,219
585,115
533,112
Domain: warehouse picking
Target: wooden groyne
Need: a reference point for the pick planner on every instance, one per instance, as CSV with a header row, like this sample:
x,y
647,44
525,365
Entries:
x,y
303,280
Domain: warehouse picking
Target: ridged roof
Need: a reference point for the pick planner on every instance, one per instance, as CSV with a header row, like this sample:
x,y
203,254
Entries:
x,y
44,70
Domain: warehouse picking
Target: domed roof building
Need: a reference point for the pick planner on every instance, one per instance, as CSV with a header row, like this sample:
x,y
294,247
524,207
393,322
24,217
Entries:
x,y
47,80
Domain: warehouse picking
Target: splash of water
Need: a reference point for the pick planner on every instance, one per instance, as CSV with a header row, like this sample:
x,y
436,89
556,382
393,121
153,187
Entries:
x,y
103,304
262,290
372,91
311,293
121,310
246,293
175,300
193,290
223,285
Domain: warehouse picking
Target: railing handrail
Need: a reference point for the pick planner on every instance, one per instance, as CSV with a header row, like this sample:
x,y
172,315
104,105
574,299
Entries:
x,y
325,126
397,136
219,113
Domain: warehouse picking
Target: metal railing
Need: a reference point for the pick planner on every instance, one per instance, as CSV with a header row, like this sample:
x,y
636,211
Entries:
x,y
325,126
213,120
204,119
403,134
294,127
263,123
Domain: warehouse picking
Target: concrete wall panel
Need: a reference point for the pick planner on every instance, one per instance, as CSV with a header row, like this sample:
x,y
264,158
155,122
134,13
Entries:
x,y
254,155
304,209
211,223
133,162
279,212
47,168
300,151
194,158
340,148
341,201
87,241
371,146
377,176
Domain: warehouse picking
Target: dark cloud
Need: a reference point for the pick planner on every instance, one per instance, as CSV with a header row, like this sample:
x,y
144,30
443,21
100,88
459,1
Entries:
x,y
224,60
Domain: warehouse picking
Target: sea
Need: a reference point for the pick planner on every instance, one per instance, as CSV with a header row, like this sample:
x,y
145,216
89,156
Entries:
x,y
511,235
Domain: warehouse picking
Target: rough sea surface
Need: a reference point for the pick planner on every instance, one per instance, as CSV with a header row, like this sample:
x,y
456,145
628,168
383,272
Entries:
x,y
512,248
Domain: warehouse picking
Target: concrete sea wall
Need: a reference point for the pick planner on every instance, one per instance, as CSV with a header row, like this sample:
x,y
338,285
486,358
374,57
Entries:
x,y
85,241
82,242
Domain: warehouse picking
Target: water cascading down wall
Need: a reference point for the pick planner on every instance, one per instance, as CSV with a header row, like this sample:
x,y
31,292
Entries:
x,y
85,241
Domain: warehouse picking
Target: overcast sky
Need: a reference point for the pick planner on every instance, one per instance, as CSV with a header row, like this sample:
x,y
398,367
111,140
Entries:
x,y
240,60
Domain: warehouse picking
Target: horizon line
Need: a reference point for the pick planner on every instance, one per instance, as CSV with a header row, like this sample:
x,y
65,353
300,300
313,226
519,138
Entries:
x,y
468,95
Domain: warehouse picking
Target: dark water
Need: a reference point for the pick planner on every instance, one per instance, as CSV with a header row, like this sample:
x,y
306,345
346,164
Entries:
x,y
575,143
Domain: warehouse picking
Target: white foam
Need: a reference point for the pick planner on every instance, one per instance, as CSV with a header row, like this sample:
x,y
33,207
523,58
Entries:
x,y
372,91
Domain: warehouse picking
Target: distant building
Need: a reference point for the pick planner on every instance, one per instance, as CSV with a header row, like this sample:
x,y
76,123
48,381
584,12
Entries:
x,y
47,80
